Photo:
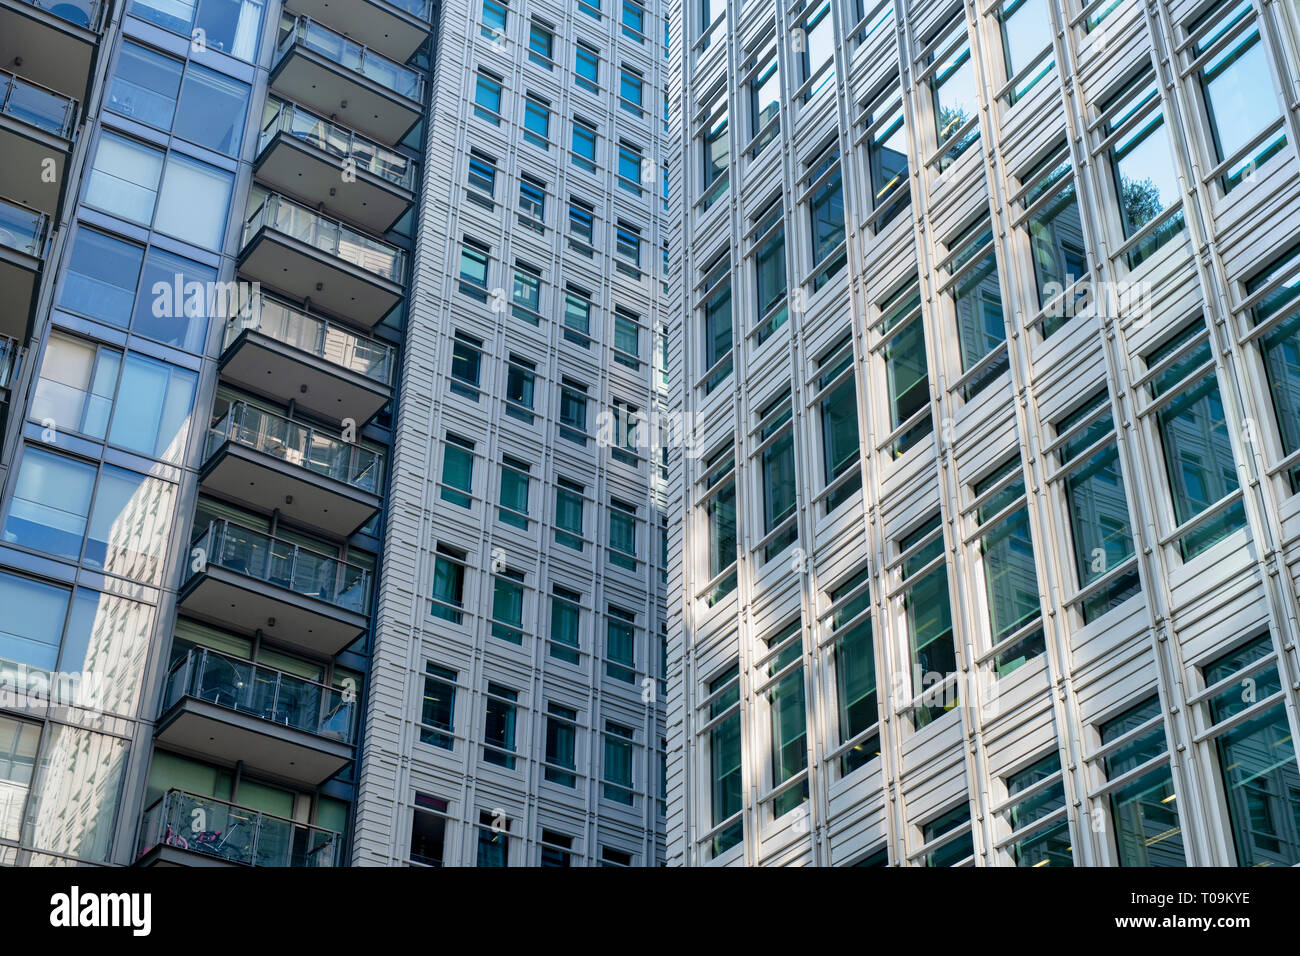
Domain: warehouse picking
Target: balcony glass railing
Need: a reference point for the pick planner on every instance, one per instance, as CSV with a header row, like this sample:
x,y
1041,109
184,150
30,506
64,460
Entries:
x,y
22,228
347,53
328,235
315,336
310,448
278,562
37,106
11,353
83,13
337,141
419,8
234,833
262,692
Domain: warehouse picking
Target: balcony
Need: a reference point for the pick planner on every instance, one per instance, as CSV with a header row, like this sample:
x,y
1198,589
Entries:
x,y
312,477
313,258
302,154
395,28
234,710
339,78
36,124
251,581
279,351
231,836
24,234
55,40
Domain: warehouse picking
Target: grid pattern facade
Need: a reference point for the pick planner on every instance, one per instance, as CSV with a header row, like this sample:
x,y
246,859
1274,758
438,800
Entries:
x,y
988,534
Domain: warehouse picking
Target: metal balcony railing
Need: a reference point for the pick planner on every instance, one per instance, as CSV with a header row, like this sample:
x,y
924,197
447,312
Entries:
x,y
37,106
236,834
349,54
289,566
338,141
330,236
309,448
264,692
314,335
11,353
82,13
23,228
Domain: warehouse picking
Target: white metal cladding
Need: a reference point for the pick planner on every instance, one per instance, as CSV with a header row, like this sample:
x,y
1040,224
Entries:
x,y
1188,612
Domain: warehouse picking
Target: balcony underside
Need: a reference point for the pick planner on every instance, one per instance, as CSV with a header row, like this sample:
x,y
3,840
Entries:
x,y
230,737
295,268
261,364
264,482
54,52
312,80
18,284
23,171
303,623
382,27
165,855
292,166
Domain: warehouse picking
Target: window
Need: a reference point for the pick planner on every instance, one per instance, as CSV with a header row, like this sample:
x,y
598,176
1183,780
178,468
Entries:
x,y
1199,461
855,672
718,329
145,86
902,347
537,120
631,91
428,830
839,421
627,338
521,378
586,67
569,502
974,288
616,783
1051,209
952,86
448,584
508,606
566,621
887,157
541,44
466,363
1233,82
513,502
620,644
482,178
716,146
500,714
1142,167
577,315
1104,559
622,534
493,840
526,296
229,26
957,846
1010,579
1276,319
611,857
824,183
457,471
777,462
474,259
583,154
932,651
630,161
770,269
212,109
634,21
765,103
726,784
582,235
561,745
784,693
1026,44
627,439
627,246
532,203
1257,765
817,50
487,97
555,849
573,411
1036,816
719,502
139,403
438,713
1143,811
590,7
493,24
